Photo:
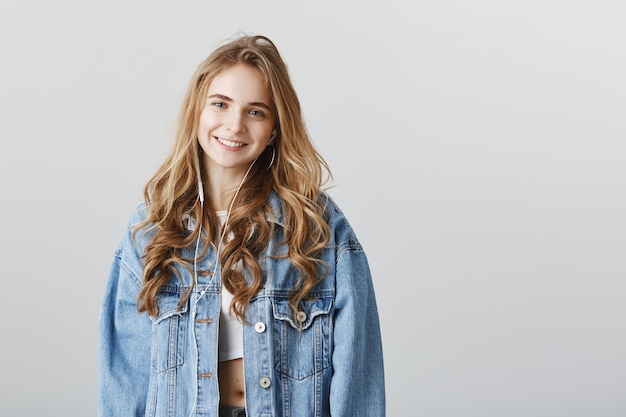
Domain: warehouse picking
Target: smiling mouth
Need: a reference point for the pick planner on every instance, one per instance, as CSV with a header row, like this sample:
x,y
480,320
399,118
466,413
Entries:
x,y
229,143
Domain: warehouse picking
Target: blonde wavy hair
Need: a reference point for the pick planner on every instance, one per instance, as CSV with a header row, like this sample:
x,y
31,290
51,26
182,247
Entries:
x,y
297,175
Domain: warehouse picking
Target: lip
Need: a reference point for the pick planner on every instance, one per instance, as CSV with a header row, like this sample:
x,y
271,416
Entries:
x,y
226,143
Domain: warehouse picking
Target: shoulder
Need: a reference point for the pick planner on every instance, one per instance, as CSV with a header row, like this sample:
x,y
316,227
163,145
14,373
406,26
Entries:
x,y
138,231
138,215
135,239
126,270
332,212
340,228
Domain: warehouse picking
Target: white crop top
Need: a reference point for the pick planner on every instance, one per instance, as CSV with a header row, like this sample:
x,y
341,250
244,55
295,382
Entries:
x,y
230,344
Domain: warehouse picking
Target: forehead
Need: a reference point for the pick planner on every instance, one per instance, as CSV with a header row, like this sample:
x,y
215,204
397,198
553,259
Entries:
x,y
240,82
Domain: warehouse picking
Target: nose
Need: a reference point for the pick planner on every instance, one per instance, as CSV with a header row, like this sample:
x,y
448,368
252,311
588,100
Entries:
x,y
235,122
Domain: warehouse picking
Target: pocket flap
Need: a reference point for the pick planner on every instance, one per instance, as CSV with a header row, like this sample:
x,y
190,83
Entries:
x,y
311,308
168,305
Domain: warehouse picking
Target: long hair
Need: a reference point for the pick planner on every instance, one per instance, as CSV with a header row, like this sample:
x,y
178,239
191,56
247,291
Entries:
x,y
297,175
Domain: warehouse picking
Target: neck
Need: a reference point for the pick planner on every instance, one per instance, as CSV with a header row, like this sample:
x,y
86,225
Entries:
x,y
220,195
222,184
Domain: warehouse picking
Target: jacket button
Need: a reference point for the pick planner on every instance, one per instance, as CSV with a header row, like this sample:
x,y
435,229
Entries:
x,y
301,316
265,382
259,327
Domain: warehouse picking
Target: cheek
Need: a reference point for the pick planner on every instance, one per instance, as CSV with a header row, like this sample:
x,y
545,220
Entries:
x,y
264,132
207,119
202,121
203,128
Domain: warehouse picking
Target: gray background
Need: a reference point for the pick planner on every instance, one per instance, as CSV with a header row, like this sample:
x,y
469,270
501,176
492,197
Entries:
x,y
478,149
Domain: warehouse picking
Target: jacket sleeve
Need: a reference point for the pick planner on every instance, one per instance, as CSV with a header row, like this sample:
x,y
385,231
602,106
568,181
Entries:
x,y
124,340
357,384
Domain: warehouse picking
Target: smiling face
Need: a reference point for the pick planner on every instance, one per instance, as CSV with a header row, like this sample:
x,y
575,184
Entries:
x,y
236,122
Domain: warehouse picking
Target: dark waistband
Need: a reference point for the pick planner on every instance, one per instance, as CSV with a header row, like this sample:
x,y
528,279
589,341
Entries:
x,y
232,411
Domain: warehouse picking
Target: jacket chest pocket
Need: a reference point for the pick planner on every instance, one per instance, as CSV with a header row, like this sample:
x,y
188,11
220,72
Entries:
x,y
168,333
302,340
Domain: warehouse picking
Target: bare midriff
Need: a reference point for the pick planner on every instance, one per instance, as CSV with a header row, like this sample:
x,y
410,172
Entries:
x,y
230,374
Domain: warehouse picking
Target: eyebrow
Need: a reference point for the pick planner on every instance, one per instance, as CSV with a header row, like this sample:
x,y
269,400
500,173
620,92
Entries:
x,y
230,100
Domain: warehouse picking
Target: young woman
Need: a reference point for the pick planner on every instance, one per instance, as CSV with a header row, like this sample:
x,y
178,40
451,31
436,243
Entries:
x,y
240,288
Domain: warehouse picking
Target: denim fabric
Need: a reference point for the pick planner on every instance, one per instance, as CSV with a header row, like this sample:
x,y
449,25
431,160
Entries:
x,y
326,361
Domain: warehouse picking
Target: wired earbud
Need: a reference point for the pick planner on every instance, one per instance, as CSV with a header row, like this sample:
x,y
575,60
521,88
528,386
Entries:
x,y
195,258
219,243
201,192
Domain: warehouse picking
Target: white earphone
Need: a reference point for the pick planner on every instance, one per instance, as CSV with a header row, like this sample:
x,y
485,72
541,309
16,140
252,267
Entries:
x,y
219,244
201,192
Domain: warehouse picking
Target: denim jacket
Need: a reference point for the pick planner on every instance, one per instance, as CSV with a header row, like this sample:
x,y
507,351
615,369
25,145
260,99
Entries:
x,y
324,361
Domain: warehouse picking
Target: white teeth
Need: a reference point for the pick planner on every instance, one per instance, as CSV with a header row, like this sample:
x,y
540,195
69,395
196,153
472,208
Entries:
x,y
229,143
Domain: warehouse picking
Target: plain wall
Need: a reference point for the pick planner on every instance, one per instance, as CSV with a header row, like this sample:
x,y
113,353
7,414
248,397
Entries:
x,y
479,150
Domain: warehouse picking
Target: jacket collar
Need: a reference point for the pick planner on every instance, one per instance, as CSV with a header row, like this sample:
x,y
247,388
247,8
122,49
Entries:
x,y
276,216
